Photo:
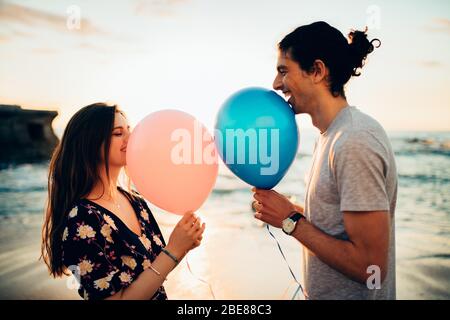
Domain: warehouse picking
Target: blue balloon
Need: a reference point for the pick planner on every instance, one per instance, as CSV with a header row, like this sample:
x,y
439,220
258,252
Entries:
x,y
256,136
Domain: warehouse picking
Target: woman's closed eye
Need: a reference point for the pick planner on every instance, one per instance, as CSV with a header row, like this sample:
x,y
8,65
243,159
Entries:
x,y
120,131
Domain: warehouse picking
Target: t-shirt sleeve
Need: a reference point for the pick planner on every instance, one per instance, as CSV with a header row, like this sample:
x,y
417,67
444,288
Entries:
x,y
359,165
87,254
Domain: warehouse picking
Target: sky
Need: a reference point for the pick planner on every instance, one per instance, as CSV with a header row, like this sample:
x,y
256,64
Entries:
x,y
192,54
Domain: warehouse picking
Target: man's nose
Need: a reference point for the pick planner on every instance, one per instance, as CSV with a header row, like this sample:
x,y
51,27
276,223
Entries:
x,y
277,83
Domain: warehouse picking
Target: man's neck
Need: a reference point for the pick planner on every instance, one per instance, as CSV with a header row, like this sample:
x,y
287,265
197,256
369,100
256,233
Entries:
x,y
326,111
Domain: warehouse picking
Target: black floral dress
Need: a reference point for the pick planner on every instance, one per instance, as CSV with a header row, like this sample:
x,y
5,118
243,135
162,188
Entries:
x,y
103,254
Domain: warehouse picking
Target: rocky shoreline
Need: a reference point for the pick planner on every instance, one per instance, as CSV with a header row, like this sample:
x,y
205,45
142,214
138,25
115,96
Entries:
x,y
26,136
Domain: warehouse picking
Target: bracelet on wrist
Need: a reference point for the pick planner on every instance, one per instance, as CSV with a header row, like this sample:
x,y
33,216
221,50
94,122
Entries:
x,y
171,256
157,272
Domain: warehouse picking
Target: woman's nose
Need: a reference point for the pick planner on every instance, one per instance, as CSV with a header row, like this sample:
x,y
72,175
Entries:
x,y
127,136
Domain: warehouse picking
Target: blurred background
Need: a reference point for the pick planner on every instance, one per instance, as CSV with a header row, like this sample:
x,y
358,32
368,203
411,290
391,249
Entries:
x,y
191,55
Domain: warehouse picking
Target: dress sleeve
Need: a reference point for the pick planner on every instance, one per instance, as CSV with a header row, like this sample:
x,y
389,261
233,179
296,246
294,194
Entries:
x,y
88,252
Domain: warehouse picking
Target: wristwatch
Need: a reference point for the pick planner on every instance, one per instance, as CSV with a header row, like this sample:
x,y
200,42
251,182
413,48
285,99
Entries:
x,y
289,224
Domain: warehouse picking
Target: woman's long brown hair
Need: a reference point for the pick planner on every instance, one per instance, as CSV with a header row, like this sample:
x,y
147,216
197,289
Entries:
x,y
72,174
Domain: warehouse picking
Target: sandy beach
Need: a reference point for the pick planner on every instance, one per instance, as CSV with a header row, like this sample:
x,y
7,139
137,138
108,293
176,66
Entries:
x,y
238,259
244,70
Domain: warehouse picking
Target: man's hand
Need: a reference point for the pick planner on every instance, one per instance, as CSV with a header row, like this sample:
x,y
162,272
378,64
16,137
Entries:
x,y
272,207
299,208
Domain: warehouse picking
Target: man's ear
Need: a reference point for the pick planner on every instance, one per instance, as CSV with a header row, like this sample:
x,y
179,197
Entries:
x,y
320,71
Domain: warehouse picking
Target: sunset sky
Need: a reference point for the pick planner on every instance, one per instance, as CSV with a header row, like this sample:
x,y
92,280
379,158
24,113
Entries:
x,y
192,54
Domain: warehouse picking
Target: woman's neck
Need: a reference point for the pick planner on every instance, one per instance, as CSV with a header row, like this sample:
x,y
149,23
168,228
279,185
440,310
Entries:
x,y
106,188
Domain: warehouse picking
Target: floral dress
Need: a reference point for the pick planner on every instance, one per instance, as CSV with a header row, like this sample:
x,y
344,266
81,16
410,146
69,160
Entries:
x,y
103,254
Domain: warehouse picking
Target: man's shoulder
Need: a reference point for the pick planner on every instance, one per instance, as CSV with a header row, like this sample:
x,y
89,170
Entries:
x,y
360,131
364,122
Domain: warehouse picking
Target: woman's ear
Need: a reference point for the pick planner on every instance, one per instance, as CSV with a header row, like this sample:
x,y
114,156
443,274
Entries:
x,y
320,71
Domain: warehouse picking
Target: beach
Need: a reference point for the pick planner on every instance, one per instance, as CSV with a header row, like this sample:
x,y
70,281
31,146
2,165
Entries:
x,y
238,259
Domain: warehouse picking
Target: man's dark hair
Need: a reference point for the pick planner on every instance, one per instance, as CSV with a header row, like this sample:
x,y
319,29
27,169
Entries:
x,y
320,41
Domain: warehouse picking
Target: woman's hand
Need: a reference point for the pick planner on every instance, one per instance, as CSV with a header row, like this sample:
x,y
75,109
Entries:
x,y
187,235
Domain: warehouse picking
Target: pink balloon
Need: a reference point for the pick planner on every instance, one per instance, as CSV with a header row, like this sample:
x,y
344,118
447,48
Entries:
x,y
172,161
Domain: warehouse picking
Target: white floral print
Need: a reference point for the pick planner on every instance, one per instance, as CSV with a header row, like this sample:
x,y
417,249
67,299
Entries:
x,y
85,231
73,213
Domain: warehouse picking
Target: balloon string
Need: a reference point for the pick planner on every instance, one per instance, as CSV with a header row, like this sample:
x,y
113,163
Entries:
x,y
287,289
200,279
292,273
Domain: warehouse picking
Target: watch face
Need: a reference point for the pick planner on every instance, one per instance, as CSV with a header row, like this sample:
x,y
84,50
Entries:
x,y
288,226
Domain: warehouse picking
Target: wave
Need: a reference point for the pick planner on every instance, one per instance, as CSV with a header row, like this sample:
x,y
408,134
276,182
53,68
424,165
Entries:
x,y
219,191
425,178
303,154
423,152
6,189
427,146
17,166
436,256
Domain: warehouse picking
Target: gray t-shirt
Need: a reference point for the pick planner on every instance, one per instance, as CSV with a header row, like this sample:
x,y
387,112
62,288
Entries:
x,y
353,170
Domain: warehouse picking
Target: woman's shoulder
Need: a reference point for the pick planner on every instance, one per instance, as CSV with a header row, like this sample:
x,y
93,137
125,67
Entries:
x,y
81,208
134,195
83,212
86,221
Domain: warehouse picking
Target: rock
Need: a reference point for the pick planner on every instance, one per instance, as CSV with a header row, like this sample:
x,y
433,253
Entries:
x,y
26,135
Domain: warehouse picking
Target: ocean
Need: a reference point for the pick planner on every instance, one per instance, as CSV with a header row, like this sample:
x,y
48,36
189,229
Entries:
x,y
422,215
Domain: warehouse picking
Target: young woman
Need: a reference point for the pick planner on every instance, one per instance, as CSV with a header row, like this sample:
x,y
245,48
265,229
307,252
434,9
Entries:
x,y
106,235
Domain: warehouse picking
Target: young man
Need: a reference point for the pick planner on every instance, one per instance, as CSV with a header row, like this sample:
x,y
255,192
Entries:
x,y
347,224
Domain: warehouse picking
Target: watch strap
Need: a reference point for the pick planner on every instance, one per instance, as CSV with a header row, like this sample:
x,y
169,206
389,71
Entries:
x,y
296,216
